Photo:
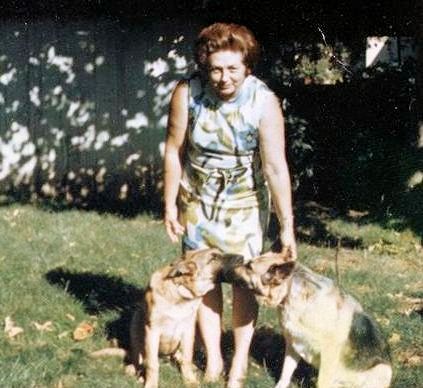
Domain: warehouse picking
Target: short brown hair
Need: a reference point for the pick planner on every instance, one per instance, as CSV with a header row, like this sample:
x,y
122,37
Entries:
x,y
226,36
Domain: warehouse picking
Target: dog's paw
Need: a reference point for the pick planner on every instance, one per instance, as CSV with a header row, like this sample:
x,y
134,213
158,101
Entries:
x,y
192,383
189,376
213,375
130,370
235,383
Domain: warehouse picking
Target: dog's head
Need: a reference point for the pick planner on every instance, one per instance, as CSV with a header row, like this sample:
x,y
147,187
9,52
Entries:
x,y
267,276
197,272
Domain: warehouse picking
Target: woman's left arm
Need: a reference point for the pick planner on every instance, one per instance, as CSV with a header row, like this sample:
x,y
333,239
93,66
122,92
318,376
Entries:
x,y
275,168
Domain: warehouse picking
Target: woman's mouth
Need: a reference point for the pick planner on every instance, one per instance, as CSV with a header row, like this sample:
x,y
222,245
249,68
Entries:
x,y
225,87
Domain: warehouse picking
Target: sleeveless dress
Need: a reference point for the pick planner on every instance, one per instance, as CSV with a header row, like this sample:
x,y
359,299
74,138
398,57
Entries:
x,y
223,197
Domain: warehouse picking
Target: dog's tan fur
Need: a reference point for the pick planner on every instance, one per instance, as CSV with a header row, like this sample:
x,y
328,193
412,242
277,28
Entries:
x,y
320,323
165,318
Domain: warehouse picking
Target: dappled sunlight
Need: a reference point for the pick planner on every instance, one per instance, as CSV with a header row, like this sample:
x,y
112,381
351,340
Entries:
x,y
83,109
63,64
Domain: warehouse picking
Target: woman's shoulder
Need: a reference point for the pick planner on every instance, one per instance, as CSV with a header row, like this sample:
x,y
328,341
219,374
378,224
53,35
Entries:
x,y
258,84
259,92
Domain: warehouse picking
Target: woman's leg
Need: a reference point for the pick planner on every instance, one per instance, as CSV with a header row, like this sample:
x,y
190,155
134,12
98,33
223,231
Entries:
x,y
244,316
210,325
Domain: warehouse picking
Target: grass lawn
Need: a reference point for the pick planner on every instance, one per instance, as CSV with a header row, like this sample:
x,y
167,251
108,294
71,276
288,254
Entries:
x,y
69,269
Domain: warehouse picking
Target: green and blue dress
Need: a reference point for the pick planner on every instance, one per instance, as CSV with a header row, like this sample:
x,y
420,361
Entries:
x,y
223,197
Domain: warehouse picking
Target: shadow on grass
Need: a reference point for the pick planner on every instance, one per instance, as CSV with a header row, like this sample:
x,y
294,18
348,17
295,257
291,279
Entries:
x,y
100,293
267,350
310,220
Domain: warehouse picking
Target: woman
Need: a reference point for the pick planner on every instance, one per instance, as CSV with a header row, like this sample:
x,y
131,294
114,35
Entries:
x,y
225,140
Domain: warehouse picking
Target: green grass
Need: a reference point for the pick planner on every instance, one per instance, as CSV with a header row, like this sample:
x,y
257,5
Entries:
x,y
75,266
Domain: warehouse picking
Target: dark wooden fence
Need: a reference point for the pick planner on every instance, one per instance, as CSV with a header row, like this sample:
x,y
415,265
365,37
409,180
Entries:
x,y
83,106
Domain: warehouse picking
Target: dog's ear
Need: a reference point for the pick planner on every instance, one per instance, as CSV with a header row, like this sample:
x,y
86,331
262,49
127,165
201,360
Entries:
x,y
181,269
277,273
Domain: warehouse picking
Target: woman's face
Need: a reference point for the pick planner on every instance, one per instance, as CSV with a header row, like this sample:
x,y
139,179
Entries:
x,y
227,72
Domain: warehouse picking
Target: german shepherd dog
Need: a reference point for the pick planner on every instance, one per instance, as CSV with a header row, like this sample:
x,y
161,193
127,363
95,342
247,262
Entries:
x,y
164,320
320,323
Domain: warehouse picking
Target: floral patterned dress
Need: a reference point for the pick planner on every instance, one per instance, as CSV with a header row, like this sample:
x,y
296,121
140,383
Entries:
x,y
223,197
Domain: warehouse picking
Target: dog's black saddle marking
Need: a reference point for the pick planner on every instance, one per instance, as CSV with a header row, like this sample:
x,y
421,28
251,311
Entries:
x,y
368,347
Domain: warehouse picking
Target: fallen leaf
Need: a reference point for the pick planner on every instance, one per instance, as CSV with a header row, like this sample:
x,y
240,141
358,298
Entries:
x,y
46,326
63,334
394,338
10,328
70,317
412,305
416,360
386,247
83,331
408,305
411,357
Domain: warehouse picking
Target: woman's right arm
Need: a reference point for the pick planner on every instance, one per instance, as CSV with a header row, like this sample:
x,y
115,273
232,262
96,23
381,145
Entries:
x,y
175,139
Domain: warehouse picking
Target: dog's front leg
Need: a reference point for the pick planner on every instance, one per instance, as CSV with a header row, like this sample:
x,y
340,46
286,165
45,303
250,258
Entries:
x,y
289,365
329,364
151,362
187,353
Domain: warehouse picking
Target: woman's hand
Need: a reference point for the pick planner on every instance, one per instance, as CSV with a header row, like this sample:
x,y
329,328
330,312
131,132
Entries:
x,y
288,241
173,228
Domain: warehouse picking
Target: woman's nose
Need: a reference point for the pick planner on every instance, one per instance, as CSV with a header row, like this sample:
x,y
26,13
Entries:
x,y
225,76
